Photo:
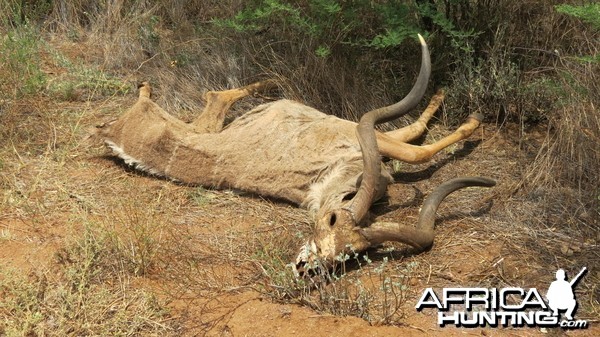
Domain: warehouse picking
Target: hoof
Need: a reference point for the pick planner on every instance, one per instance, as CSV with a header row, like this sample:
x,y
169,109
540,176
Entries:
x,y
145,90
477,116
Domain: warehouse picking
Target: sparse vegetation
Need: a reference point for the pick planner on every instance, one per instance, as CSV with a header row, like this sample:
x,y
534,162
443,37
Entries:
x,y
21,61
92,248
79,300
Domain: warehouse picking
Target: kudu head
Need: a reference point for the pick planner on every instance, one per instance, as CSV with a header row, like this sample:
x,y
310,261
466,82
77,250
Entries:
x,y
343,226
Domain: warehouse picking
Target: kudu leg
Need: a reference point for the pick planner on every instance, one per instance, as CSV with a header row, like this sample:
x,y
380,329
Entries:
x,y
218,103
416,129
392,148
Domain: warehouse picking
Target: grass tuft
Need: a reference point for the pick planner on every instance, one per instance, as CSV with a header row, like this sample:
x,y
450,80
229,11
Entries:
x,y
80,298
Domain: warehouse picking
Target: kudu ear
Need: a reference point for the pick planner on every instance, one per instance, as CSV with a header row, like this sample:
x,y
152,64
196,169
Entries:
x,y
94,135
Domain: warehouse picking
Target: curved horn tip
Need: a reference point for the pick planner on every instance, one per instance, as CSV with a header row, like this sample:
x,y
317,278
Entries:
x,y
422,40
481,181
490,182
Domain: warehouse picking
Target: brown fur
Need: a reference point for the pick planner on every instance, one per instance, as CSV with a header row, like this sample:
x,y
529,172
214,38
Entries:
x,y
278,149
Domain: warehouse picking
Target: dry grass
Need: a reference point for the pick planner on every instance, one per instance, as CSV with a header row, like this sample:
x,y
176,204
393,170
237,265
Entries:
x,y
46,305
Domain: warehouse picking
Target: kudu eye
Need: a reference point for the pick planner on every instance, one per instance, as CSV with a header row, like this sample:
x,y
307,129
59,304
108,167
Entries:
x,y
349,196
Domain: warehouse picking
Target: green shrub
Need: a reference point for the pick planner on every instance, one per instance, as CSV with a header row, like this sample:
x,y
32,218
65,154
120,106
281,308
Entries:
x,y
86,83
331,23
20,67
589,13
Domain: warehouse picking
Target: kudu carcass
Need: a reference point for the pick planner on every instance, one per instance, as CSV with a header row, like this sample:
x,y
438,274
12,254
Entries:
x,y
287,150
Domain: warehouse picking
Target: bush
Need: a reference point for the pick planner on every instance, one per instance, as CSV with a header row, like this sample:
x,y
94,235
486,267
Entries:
x,y
569,157
589,13
343,57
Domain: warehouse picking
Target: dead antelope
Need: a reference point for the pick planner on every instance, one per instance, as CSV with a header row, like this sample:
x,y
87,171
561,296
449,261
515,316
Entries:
x,y
290,151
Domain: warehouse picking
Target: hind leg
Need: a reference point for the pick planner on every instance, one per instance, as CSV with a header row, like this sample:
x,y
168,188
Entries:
x,y
416,129
393,148
218,103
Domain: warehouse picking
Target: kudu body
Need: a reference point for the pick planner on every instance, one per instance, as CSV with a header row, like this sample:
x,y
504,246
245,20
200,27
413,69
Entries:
x,y
287,150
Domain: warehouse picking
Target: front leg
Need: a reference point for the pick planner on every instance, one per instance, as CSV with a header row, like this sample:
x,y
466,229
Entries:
x,y
218,103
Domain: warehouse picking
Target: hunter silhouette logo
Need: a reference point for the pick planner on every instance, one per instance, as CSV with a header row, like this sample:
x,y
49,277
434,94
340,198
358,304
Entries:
x,y
560,295
480,307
